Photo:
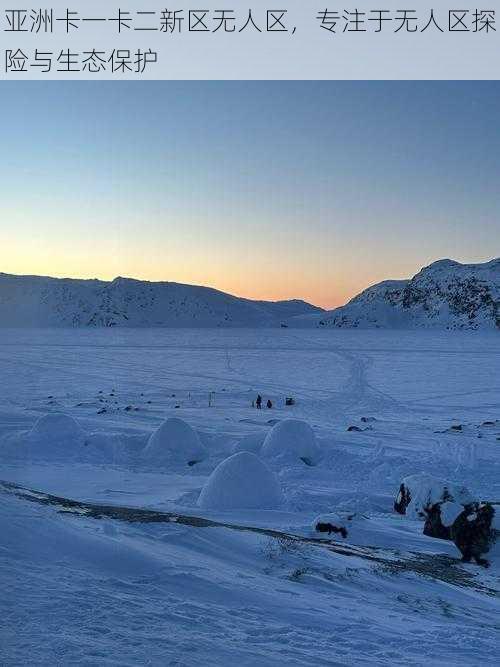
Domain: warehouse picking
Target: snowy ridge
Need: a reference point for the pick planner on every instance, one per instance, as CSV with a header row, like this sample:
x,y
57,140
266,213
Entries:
x,y
34,301
444,295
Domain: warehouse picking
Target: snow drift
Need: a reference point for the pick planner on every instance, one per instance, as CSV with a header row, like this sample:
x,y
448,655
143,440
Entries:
x,y
242,481
174,443
291,441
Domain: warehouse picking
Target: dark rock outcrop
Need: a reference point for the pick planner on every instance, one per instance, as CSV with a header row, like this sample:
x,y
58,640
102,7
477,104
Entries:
x,y
331,528
403,499
470,527
473,532
331,523
417,494
434,526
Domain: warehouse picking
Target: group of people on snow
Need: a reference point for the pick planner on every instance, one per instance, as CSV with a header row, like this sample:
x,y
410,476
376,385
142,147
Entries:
x,y
258,403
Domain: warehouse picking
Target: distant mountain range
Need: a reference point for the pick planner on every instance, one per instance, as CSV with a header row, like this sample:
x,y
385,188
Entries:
x,y
443,295
34,301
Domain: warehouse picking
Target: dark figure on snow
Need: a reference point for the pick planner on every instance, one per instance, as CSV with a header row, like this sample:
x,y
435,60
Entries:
x,y
258,402
269,403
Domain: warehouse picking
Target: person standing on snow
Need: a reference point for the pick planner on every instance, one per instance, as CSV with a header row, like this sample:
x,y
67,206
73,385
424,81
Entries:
x,y
258,402
269,403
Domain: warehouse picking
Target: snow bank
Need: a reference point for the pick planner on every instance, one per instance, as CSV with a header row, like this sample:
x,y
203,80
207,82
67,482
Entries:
x,y
250,443
56,435
242,481
32,535
290,441
174,442
422,491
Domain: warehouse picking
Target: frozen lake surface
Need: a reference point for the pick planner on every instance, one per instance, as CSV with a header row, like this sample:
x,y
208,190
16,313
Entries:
x,y
103,592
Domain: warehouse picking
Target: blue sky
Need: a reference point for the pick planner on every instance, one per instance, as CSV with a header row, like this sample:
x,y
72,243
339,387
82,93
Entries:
x,y
264,189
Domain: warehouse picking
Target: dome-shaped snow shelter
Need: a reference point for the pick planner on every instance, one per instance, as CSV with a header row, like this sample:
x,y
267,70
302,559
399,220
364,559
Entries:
x,y
242,481
174,442
291,441
56,434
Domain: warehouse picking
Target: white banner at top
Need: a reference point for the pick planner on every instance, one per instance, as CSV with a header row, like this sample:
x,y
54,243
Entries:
x,y
253,39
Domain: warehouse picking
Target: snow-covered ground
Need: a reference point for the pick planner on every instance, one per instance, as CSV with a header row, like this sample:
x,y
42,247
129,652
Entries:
x,y
81,590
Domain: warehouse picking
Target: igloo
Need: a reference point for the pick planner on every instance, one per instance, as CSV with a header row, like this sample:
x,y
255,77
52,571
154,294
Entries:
x,y
290,441
242,481
174,442
56,434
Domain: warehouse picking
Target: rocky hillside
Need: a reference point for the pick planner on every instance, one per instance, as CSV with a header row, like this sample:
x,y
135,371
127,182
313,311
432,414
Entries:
x,y
443,295
51,302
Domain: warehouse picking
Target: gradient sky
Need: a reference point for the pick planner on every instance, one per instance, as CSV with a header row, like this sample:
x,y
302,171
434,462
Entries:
x,y
267,190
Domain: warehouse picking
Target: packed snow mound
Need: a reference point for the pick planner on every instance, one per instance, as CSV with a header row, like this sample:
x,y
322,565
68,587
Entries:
x,y
419,492
250,443
444,295
56,435
175,442
290,441
242,481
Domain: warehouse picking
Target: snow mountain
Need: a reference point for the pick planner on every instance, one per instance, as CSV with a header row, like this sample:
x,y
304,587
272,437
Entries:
x,y
35,301
443,295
